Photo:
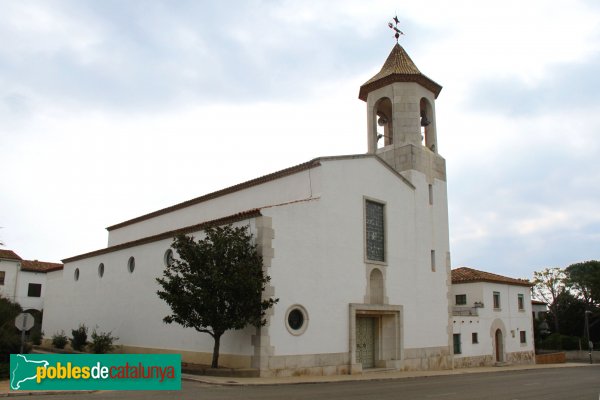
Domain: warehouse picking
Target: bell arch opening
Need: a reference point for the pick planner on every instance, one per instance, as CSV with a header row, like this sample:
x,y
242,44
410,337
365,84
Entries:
x,y
427,123
383,122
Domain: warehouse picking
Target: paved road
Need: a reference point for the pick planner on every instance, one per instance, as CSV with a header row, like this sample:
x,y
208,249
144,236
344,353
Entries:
x,y
547,384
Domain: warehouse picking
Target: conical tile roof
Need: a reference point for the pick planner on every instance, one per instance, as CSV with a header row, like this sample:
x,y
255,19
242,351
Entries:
x,y
398,68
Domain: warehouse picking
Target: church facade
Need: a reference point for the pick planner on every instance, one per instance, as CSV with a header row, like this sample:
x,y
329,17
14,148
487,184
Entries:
x,y
356,246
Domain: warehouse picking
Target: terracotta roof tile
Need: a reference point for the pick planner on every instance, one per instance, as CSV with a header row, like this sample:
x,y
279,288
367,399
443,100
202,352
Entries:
x,y
9,255
398,68
39,266
466,275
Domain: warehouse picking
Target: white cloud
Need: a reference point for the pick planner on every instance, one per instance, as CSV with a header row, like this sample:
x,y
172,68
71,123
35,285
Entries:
x,y
108,113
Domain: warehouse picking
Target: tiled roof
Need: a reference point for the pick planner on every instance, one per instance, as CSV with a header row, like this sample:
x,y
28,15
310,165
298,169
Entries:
x,y
39,266
9,255
467,275
170,234
398,68
538,302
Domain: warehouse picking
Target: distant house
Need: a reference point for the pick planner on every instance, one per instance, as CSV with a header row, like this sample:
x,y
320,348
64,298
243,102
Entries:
x,y
491,319
24,281
539,309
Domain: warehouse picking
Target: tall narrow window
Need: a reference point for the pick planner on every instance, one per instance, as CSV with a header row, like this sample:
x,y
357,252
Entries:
x,y
497,300
521,300
433,260
430,195
456,341
375,231
34,290
474,338
523,336
2,274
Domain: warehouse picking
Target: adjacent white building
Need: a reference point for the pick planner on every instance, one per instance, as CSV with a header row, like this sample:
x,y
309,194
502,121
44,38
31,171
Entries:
x,y
24,281
356,246
491,319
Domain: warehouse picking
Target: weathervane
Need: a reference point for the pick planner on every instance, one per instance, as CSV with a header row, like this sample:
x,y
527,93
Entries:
x,y
395,28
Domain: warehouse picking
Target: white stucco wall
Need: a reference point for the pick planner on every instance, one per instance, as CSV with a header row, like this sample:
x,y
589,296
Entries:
x,y
290,188
11,269
319,258
319,263
24,279
126,303
512,319
16,285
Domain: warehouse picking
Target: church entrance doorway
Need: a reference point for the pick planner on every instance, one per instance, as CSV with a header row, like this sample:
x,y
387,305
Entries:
x,y
365,341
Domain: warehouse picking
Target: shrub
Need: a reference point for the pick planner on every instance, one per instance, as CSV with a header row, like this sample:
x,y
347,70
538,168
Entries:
x,y
10,338
102,342
79,339
36,336
59,340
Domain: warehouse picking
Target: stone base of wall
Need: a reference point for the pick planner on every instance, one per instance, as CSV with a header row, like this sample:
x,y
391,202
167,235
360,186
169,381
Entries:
x,y
431,358
426,359
488,360
521,357
472,362
308,364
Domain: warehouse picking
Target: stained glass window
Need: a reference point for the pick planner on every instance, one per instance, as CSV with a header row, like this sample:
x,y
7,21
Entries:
x,y
375,231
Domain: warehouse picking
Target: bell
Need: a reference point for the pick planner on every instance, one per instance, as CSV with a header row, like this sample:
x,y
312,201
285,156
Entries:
x,y
425,121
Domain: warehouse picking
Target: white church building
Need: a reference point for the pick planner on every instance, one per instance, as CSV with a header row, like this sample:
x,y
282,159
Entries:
x,y
356,246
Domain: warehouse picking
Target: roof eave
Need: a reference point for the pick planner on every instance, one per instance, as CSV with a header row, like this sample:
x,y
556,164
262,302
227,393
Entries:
x,y
421,79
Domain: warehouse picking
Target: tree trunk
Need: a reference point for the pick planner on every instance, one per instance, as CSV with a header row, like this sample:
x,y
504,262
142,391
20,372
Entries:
x,y
215,357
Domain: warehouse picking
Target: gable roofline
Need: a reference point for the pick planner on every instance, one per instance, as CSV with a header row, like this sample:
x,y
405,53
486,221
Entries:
x,y
9,255
230,219
316,162
470,275
219,193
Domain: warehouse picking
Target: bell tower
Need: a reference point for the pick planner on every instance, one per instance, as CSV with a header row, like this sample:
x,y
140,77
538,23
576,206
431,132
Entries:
x,y
401,117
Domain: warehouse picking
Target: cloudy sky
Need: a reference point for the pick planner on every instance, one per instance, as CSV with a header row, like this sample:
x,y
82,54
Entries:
x,y
112,109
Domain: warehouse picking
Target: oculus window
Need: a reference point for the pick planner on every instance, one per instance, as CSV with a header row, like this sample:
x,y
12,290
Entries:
x,y
296,320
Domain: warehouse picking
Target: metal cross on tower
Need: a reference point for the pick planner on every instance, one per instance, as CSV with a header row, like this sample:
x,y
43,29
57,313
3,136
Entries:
x,y
394,26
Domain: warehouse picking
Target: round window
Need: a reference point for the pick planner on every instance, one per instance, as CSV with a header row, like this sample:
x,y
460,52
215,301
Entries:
x,y
101,270
296,320
76,274
131,265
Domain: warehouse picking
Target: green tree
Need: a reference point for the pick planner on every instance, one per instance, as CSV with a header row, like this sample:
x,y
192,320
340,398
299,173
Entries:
x,y
216,284
10,339
548,285
584,280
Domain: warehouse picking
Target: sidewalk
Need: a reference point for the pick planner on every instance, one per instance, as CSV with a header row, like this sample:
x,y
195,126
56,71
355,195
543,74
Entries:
x,y
366,376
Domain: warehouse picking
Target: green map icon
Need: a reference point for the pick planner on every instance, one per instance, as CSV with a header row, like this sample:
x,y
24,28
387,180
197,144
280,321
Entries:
x,y
23,369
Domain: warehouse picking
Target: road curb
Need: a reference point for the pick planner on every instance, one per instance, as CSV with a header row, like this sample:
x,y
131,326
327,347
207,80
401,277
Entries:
x,y
374,376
